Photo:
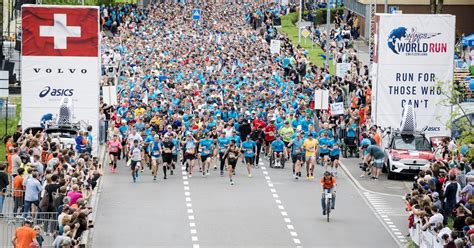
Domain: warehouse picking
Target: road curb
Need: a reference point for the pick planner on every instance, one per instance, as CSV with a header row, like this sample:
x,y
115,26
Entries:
x,y
356,182
94,202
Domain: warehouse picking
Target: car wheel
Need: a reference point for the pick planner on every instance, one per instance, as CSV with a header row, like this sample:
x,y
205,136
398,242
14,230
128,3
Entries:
x,y
391,175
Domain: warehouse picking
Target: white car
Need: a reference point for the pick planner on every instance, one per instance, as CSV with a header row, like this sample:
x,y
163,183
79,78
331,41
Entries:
x,y
407,154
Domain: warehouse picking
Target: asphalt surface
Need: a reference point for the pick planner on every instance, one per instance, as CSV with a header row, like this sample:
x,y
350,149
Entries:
x,y
271,209
385,196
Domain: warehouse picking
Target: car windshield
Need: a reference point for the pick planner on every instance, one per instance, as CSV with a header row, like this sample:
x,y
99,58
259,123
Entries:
x,y
410,142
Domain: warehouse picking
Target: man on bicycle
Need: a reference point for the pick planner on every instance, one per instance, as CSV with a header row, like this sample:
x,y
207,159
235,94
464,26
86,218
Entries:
x,y
278,148
328,183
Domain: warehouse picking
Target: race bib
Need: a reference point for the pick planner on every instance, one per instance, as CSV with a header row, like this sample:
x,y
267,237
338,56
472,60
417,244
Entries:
x,y
156,153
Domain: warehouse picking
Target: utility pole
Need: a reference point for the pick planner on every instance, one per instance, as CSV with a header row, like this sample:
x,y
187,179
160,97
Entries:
x,y
299,22
328,30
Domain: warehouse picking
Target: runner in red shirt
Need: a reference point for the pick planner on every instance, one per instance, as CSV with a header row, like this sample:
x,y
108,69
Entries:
x,y
270,132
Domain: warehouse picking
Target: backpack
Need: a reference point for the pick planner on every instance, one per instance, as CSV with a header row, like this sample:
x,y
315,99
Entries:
x,y
44,203
330,180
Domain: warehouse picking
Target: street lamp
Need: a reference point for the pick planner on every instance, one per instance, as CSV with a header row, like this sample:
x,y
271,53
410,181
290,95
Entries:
x,y
299,22
328,29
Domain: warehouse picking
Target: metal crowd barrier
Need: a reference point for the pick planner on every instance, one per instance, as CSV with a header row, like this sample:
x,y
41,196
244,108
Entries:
x,y
424,239
47,222
13,202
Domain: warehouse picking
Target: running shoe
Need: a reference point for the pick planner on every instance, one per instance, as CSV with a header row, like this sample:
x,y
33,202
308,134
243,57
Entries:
x,y
154,178
222,173
171,172
203,173
165,177
231,182
215,167
250,175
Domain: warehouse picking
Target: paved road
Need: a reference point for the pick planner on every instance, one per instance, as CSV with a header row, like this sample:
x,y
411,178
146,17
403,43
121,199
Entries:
x,y
385,196
270,209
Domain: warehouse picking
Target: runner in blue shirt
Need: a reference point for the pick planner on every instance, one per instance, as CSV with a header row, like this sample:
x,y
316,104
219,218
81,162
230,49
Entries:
x,y
334,153
206,146
250,149
223,143
324,143
154,150
297,153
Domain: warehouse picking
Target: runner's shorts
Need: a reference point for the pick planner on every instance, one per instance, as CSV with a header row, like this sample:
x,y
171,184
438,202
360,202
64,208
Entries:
x,y
167,158
133,164
334,158
249,160
233,163
297,157
322,155
205,157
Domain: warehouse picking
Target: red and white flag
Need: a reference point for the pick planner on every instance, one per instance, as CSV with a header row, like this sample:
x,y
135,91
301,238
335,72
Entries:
x,y
60,31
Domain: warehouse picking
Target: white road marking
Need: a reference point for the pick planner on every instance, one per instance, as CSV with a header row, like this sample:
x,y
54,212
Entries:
x,y
294,234
284,213
265,172
273,190
290,227
270,184
297,241
278,201
263,168
287,220
281,207
275,195
189,209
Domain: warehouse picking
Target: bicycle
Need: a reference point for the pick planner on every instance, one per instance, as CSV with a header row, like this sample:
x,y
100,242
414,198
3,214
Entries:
x,y
328,202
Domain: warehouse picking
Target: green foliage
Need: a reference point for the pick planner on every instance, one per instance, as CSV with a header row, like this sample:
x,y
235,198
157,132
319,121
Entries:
x,y
462,123
79,2
320,15
12,123
314,54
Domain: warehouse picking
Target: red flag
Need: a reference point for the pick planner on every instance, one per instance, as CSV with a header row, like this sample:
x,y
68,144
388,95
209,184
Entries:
x,y
60,31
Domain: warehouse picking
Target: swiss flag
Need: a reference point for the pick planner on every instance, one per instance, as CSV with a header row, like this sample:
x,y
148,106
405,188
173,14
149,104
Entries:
x,y
60,31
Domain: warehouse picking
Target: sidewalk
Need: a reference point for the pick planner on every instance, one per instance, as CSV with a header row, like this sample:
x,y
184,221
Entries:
x,y
383,186
362,51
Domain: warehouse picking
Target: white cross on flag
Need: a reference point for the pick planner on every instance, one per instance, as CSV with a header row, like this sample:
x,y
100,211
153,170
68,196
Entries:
x,y
60,67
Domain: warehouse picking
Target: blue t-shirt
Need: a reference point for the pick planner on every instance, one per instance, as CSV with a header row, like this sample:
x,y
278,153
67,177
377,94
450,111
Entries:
x,y
351,133
296,147
324,144
335,151
154,149
249,148
236,138
329,132
278,146
223,143
206,147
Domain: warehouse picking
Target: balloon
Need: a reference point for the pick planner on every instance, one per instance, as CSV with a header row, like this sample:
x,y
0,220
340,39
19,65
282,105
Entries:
x,y
471,85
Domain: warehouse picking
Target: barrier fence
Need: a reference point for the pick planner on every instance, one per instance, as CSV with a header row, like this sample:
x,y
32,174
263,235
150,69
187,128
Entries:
x,y
424,239
47,223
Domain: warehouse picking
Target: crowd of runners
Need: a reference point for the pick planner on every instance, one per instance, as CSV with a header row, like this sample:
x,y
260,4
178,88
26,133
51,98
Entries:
x,y
209,93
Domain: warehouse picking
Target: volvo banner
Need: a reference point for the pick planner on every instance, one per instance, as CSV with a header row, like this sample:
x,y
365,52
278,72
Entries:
x,y
60,67
413,65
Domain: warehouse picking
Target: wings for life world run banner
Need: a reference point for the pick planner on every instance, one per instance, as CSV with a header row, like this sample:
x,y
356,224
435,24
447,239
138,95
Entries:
x,y
60,63
414,53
